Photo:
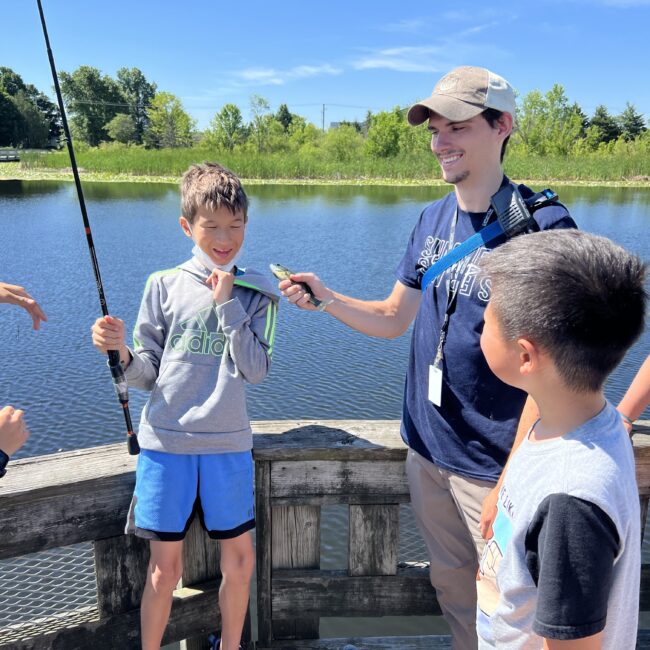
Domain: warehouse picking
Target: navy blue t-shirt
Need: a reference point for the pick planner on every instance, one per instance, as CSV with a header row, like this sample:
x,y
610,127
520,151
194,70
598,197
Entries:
x,y
471,433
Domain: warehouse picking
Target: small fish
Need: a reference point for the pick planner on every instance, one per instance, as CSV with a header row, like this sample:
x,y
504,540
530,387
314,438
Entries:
x,y
283,273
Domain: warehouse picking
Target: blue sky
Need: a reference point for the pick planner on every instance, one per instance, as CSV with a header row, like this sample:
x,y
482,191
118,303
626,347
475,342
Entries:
x,y
350,56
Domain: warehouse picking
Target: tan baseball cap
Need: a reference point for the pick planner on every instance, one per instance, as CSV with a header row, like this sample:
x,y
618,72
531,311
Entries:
x,y
463,93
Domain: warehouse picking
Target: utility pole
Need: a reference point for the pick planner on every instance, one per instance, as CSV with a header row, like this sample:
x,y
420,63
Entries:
x,y
323,118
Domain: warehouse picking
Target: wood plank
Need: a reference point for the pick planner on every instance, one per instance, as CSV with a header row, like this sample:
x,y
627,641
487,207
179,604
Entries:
x,y
373,540
191,609
334,593
295,545
339,499
430,642
120,570
76,512
329,477
263,550
274,440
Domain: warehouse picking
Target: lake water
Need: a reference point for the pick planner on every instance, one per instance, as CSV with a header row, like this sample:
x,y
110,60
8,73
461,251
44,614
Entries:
x,y
353,237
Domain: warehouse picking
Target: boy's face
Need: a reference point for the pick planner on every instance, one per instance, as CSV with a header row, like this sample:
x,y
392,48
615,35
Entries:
x,y
503,356
218,233
466,149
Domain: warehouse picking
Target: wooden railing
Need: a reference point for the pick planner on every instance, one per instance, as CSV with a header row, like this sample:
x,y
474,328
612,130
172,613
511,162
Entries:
x,y
9,155
82,496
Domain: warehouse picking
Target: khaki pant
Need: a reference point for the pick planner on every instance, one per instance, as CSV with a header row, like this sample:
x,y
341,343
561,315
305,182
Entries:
x,y
447,508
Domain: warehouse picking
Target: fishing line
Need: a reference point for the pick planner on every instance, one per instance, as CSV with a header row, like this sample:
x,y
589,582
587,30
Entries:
x,y
117,372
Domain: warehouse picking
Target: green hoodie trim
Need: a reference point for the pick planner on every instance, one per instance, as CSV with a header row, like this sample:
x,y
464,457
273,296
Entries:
x,y
271,319
156,274
248,285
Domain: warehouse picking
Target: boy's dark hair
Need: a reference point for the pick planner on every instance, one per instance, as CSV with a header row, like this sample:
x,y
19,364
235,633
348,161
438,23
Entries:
x,y
211,185
578,296
492,116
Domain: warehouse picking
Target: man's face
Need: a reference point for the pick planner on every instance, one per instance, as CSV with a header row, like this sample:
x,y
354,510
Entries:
x,y
218,233
466,150
501,355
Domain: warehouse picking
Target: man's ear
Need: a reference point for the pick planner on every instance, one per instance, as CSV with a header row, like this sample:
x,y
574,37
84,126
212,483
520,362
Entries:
x,y
505,124
185,225
528,356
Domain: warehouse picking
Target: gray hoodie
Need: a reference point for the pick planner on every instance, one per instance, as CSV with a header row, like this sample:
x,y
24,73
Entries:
x,y
195,357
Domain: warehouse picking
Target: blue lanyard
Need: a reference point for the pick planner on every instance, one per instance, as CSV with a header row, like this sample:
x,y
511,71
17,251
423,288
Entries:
x,y
453,283
482,237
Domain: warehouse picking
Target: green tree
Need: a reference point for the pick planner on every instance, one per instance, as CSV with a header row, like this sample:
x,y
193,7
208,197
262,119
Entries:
x,y
284,117
384,133
277,138
138,93
35,132
607,125
12,124
631,123
93,100
548,124
343,143
169,124
49,110
583,117
356,125
303,136
122,129
10,82
13,86
226,128
261,121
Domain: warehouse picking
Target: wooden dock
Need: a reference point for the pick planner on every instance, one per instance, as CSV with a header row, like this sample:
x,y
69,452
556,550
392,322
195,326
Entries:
x,y
82,496
9,155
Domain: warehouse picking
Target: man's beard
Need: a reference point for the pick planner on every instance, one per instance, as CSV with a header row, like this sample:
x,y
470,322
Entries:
x,y
458,178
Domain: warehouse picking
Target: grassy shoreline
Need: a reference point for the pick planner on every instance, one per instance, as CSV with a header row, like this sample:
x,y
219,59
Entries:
x,y
14,171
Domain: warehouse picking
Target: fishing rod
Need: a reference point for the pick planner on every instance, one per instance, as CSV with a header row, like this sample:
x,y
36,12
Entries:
x,y
117,372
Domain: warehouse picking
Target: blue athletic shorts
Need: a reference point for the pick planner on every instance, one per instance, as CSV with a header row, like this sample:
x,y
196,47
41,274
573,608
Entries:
x,y
171,488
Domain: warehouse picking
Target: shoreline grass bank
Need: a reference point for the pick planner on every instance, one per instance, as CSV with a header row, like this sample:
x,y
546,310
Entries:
x,y
16,172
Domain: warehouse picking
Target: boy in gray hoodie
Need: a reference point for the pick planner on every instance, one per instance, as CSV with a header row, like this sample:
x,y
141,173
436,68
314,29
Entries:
x,y
204,329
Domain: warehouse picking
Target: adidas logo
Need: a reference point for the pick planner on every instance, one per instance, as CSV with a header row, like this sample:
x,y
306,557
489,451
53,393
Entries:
x,y
200,334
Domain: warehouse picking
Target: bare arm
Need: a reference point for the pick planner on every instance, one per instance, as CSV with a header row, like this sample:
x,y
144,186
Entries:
x,y
528,417
15,295
594,642
637,397
388,318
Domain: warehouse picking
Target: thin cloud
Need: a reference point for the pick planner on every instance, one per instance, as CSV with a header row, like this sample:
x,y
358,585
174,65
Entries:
x,y
427,58
472,31
470,16
271,76
402,59
405,26
264,76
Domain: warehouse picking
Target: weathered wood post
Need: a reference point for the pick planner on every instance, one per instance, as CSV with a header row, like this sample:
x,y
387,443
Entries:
x,y
120,572
295,544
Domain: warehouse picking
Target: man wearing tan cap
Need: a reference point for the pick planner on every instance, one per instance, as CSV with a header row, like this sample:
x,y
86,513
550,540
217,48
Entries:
x,y
459,420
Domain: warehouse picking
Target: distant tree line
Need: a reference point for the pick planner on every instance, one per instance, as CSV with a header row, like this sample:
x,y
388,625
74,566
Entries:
x,y
129,110
27,117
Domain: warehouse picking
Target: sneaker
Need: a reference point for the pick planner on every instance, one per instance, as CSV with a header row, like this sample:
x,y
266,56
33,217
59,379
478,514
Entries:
x,y
215,642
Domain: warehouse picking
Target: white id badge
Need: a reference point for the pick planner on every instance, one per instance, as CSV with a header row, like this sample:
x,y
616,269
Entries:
x,y
435,385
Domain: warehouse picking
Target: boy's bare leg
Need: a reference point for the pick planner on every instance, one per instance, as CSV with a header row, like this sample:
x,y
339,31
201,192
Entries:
x,y
164,572
237,564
